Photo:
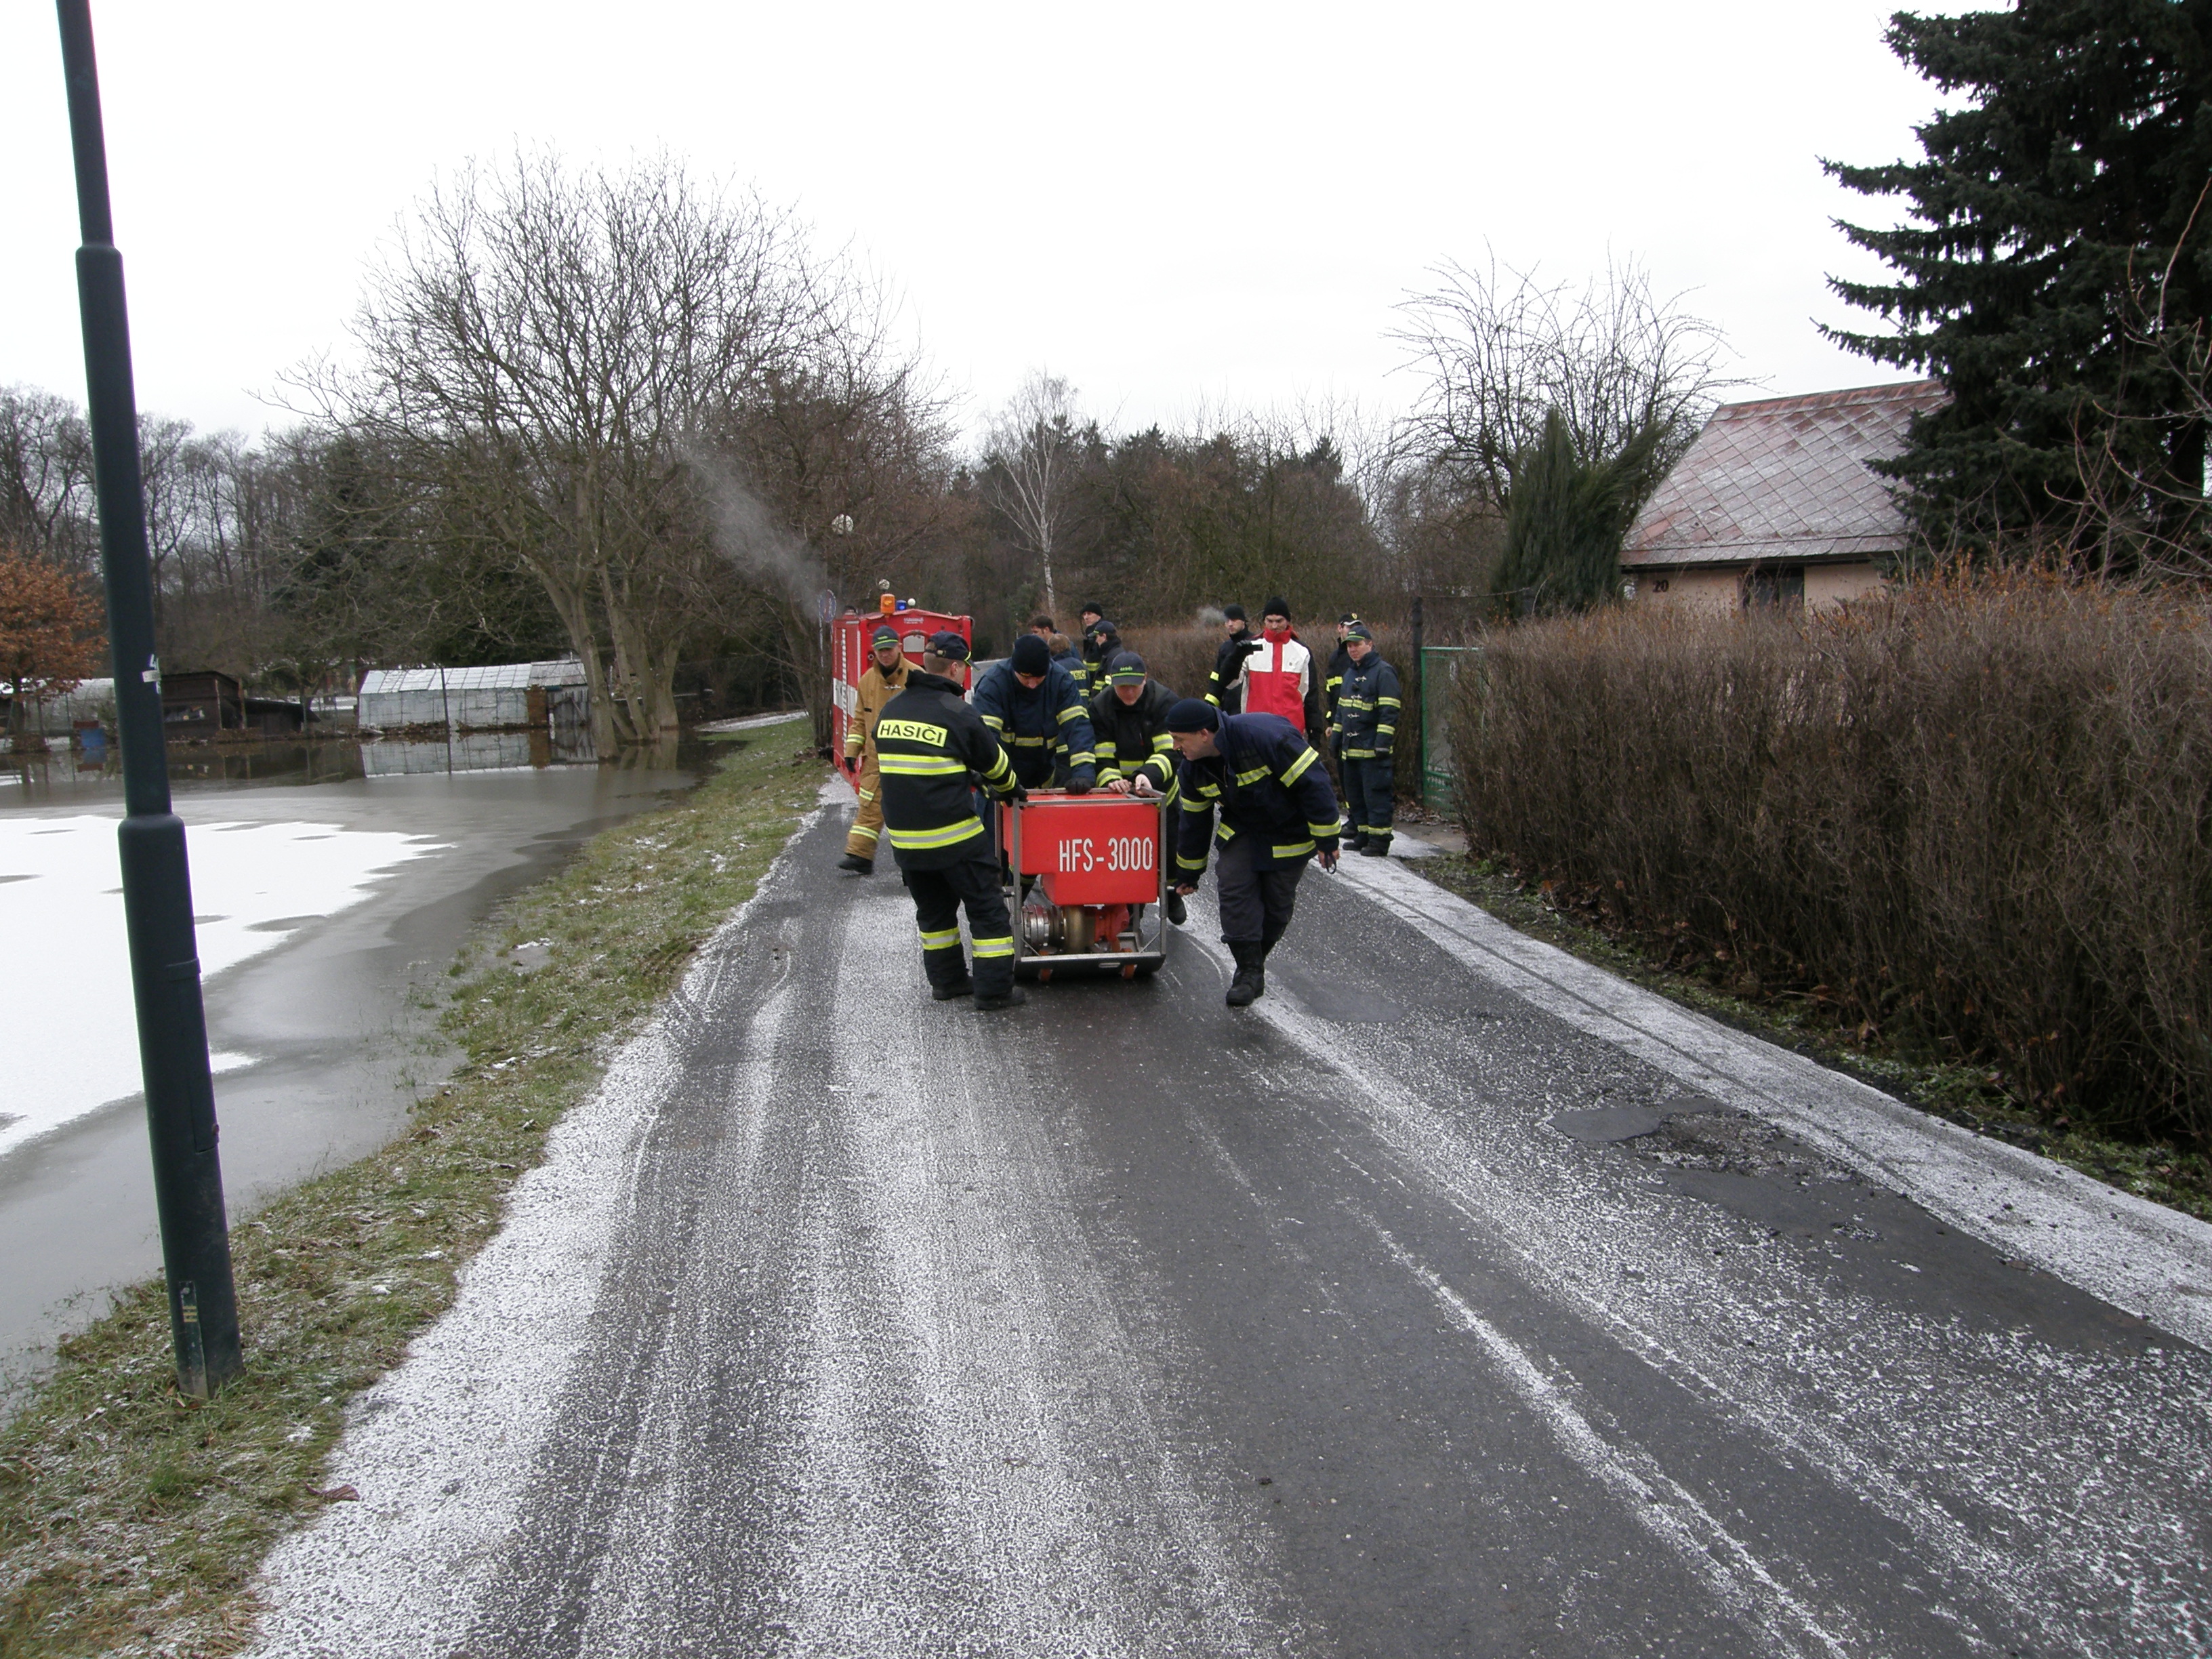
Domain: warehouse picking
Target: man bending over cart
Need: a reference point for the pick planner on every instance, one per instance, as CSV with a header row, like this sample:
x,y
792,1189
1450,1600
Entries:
x,y
1277,810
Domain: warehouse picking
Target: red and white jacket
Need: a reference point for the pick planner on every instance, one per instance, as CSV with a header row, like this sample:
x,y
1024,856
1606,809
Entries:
x,y
1277,678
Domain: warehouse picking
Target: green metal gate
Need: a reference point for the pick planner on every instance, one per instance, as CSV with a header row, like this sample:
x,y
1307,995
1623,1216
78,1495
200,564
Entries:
x,y
1441,668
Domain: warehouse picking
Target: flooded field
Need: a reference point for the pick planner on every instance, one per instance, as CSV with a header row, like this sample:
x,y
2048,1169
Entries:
x,y
333,881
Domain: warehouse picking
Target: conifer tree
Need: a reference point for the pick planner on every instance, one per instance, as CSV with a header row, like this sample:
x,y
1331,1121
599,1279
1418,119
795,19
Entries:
x,y
2054,212
1568,515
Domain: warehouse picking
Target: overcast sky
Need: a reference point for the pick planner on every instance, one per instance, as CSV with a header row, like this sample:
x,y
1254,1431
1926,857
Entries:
x,y
1175,206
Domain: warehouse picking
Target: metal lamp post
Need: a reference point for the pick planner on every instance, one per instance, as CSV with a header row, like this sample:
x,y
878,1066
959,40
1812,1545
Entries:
x,y
157,895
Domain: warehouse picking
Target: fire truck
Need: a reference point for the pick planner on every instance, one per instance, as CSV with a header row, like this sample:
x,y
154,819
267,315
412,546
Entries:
x,y
1087,876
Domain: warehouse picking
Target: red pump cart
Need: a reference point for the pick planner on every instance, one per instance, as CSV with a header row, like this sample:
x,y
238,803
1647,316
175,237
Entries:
x,y
1098,900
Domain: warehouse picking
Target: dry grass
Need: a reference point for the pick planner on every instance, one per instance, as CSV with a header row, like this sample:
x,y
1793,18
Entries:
x,y
1973,816
132,1519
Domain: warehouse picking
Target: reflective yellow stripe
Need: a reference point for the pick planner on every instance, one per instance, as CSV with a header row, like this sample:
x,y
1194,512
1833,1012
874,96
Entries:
x,y
1191,805
1223,830
1252,777
1073,712
946,939
919,766
1029,743
863,829
1389,702
994,722
951,835
1109,747
1293,852
1190,864
1080,757
1161,743
1378,828
866,795
1212,699
1323,831
995,947
1297,769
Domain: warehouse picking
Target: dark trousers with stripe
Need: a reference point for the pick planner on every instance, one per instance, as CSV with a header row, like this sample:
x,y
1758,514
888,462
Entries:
x,y
939,895
1255,903
1370,797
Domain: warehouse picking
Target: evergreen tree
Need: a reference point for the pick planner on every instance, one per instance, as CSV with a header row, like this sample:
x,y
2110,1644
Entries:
x,y
2049,218
1567,517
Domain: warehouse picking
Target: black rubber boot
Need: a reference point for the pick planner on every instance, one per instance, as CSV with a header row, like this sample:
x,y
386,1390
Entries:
x,y
1251,982
953,989
857,865
1011,997
1378,848
1359,842
1178,912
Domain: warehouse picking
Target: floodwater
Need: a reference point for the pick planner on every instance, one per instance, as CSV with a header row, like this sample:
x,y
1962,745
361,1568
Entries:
x,y
332,881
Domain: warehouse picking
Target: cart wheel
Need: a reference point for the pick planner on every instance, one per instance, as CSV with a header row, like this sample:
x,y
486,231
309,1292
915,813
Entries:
x,y
1044,976
1142,969
1129,970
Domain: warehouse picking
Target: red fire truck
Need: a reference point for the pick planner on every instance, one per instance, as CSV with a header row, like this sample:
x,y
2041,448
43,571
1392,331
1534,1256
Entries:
x,y
1090,877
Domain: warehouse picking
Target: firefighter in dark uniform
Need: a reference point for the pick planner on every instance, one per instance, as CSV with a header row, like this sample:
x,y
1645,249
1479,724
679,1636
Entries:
x,y
1367,705
1032,706
1102,643
1089,680
1277,810
1236,644
1136,755
933,749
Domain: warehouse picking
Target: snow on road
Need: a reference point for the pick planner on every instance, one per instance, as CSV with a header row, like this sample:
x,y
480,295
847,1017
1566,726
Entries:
x,y
61,911
841,1321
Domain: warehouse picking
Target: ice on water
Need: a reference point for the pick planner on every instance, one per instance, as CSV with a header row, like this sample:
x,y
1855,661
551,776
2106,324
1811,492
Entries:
x,y
67,971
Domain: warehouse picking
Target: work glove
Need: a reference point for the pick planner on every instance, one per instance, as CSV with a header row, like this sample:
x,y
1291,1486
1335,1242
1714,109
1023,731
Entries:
x,y
1244,648
852,765
1079,785
1019,793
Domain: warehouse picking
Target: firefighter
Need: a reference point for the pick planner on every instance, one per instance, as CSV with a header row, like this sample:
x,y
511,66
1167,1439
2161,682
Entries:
x,y
1367,733
1236,644
1092,677
1031,706
1279,679
1136,755
1333,680
1102,643
934,750
884,679
1277,810
1064,653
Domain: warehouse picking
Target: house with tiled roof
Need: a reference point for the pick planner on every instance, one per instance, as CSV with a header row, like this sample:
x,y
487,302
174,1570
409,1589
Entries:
x,y
1775,502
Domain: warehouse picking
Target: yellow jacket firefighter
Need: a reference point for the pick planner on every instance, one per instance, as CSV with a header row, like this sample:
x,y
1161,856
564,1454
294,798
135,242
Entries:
x,y
876,690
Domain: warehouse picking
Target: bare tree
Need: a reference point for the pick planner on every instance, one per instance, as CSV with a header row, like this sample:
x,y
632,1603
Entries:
x,y
550,343
45,478
1034,450
1500,349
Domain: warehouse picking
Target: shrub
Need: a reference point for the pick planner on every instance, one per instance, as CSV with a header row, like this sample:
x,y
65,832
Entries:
x,y
1979,813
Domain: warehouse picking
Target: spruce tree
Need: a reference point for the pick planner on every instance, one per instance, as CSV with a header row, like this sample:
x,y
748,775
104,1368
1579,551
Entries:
x,y
1564,524
2044,217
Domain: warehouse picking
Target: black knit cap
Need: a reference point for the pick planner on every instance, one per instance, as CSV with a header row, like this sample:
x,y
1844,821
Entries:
x,y
1277,606
1031,655
1233,613
1194,714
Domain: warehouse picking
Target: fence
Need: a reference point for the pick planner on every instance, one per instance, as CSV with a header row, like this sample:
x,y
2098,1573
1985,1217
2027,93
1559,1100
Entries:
x,y
1441,667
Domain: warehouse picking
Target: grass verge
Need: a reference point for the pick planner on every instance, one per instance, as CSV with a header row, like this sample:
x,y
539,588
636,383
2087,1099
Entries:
x,y
132,1519
1969,1096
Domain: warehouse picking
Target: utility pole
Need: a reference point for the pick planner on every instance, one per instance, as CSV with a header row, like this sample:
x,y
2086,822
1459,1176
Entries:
x,y
157,890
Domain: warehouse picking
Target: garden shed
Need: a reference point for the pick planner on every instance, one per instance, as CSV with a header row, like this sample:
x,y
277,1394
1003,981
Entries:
x,y
1774,502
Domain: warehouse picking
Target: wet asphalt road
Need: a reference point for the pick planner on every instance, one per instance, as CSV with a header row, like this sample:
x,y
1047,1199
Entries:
x,y
848,1323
